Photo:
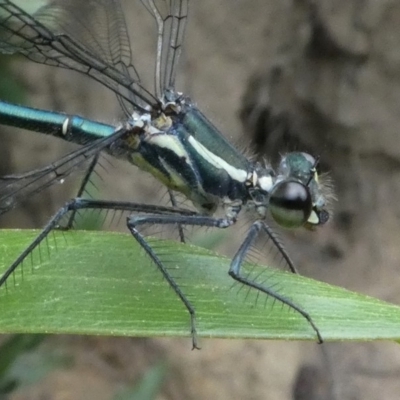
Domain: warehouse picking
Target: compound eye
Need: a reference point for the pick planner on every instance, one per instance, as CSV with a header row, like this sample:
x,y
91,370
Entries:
x,y
309,158
290,204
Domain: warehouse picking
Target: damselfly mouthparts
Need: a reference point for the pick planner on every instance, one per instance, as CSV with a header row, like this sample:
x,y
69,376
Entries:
x,y
164,134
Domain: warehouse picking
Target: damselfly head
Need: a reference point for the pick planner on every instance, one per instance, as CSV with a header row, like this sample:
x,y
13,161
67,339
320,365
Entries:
x,y
295,195
299,197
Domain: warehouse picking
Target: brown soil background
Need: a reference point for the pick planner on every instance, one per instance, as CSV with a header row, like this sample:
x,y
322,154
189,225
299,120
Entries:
x,y
324,75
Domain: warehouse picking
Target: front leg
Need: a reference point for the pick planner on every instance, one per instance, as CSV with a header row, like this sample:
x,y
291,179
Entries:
x,y
237,262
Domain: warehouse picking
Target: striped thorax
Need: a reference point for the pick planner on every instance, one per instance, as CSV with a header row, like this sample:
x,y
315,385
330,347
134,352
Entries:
x,y
180,147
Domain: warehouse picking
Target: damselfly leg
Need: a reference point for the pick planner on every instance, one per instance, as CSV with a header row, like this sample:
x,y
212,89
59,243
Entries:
x,y
82,190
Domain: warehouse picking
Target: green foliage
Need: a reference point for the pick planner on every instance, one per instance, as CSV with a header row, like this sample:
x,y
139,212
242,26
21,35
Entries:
x,y
102,283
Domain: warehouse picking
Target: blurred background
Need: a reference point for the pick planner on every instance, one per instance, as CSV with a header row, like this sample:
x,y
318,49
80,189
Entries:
x,y
317,76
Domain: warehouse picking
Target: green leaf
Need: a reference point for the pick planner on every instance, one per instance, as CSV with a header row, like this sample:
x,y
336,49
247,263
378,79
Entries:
x,y
102,283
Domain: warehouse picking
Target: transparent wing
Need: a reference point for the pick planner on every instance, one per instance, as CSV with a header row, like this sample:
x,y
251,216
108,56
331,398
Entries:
x,y
16,188
89,37
171,18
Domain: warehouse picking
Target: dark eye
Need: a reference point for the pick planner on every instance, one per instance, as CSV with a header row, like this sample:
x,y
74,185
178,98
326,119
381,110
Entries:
x,y
290,204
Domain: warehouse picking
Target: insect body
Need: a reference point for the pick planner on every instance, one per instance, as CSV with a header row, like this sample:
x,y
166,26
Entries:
x,y
164,134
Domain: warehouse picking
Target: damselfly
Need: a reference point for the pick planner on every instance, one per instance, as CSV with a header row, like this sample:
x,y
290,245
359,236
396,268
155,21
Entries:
x,y
164,134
